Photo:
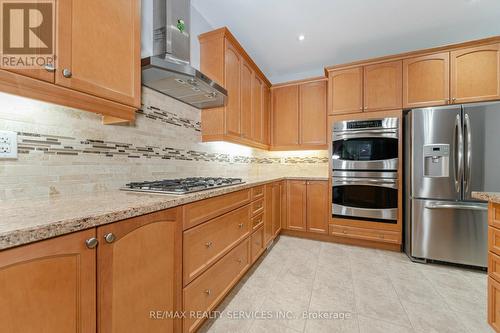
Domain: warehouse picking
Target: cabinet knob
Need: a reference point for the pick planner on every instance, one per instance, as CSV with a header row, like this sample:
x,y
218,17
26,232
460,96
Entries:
x,y
240,225
453,99
67,73
208,292
109,237
344,231
91,242
239,261
50,68
208,244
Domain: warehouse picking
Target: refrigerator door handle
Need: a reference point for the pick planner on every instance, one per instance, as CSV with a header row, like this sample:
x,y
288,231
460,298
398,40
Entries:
x,y
459,147
468,153
467,206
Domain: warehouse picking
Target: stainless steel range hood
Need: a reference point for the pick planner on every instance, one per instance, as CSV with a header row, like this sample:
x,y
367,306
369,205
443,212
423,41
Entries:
x,y
166,51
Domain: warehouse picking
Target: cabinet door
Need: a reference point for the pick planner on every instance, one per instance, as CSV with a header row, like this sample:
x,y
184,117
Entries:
x,y
494,304
232,79
383,86
475,74
313,113
296,205
257,110
49,286
268,215
346,91
317,206
99,43
276,209
40,74
285,110
426,80
246,100
139,272
266,117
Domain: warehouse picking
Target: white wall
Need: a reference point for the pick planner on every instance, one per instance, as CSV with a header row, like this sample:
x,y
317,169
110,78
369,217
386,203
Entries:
x,y
199,25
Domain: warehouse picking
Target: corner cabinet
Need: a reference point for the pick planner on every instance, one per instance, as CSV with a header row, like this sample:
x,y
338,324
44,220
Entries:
x,y
244,118
106,82
299,115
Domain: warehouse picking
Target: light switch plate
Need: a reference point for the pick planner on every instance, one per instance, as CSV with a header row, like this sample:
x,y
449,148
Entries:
x,y
8,144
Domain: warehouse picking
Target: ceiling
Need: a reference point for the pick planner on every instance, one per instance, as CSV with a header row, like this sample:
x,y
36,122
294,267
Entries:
x,y
340,31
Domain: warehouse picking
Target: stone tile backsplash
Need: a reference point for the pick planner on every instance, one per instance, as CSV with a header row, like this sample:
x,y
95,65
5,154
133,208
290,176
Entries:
x,y
64,151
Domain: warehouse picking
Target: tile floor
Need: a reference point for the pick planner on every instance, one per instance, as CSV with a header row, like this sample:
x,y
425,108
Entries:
x,y
375,291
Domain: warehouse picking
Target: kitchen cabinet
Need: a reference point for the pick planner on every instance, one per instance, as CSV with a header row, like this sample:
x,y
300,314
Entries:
x,y
317,207
382,86
296,205
475,74
346,91
494,265
299,115
107,83
257,244
243,119
49,286
426,80
138,272
272,222
266,116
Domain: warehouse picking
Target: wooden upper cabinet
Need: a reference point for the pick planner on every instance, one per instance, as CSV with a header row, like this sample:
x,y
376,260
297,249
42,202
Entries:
x,y
257,123
233,86
346,91
383,86
266,115
296,205
426,80
313,113
49,286
317,207
98,53
139,271
285,120
246,79
475,74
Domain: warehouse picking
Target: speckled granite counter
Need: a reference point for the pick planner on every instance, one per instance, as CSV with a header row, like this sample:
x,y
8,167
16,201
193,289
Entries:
x,y
23,222
487,196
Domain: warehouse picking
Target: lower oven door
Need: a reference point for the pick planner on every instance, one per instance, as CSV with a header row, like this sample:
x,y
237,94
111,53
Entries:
x,y
372,199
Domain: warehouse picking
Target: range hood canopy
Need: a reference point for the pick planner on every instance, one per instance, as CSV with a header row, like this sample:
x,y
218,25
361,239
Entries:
x,y
166,52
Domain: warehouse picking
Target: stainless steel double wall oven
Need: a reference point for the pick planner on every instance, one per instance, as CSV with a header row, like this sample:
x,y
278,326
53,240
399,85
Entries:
x,y
365,165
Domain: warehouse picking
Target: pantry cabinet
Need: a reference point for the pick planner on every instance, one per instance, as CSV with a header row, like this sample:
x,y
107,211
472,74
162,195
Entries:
x,y
49,286
243,119
382,86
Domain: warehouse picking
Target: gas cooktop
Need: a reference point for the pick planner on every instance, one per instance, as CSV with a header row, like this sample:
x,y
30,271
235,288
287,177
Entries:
x,y
182,185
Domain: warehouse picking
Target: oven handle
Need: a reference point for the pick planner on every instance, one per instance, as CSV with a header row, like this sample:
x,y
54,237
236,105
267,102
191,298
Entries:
x,y
367,181
366,134
480,207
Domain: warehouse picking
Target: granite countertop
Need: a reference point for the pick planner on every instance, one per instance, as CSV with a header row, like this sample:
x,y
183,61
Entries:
x,y
487,196
24,222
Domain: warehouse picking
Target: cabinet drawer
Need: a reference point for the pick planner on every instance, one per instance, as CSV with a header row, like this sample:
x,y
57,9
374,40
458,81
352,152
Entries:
x,y
201,211
257,221
494,304
207,243
204,293
257,192
494,240
257,207
257,243
494,266
366,234
494,215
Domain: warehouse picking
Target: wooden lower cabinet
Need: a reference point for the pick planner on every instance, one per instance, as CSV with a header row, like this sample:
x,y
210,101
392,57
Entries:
x,y
376,235
257,244
494,303
296,205
317,206
208,290
49,286
493,266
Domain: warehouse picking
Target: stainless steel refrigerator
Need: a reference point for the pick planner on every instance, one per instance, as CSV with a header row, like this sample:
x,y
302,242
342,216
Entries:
x,y
450,151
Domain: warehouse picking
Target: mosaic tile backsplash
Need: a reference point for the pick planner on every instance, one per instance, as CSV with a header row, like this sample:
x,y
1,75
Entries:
x,y
64,151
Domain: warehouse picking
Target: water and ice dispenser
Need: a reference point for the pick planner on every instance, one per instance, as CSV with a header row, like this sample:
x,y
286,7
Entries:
x,y
436,160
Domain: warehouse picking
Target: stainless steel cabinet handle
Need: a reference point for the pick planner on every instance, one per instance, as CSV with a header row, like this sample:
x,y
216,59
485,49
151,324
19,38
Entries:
x,y
109,237
49,68
480,207
91,242
208,244
67,73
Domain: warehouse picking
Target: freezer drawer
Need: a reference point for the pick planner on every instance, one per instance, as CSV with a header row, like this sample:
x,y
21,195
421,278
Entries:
x,y
455,232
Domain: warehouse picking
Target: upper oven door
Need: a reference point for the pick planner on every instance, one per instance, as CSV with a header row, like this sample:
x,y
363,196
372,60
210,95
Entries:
x,y
365,153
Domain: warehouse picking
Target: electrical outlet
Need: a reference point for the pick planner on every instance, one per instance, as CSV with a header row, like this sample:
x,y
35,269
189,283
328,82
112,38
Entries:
x,y
8,144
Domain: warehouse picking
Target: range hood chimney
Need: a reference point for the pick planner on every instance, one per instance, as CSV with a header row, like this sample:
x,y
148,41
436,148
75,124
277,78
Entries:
x,y
165,55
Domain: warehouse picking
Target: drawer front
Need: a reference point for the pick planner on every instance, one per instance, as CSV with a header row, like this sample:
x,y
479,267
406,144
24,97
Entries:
x,y
204,210
494,304
257,207
257,243
366,234
494,215
257,192
207,243
494,240
257,221
204,293
494,266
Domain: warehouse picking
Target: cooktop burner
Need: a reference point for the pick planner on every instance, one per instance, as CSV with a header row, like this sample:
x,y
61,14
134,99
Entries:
x,y
182,185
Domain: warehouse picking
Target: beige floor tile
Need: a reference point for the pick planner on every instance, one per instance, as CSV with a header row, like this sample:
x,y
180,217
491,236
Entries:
x,y
349,325
270,326
370,325
433,318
